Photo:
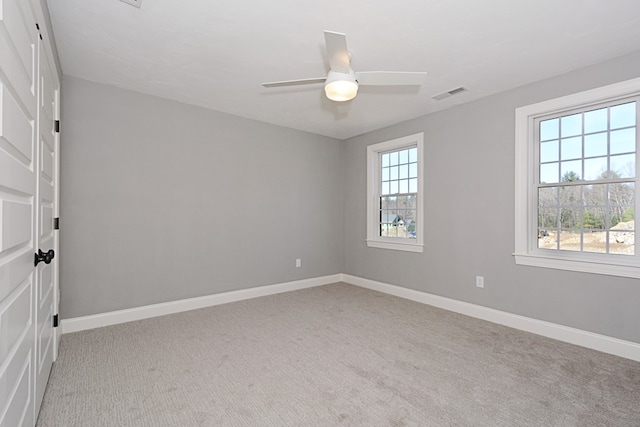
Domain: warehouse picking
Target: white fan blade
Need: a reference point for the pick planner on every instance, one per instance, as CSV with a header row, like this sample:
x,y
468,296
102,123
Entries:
x,y
337,51
295,82
390,78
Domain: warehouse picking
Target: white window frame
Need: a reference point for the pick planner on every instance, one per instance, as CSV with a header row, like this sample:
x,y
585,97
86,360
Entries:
x,y
526,251
374,152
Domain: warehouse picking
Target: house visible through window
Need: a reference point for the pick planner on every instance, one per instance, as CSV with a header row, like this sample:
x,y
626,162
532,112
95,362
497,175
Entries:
x,y
394,203
576,181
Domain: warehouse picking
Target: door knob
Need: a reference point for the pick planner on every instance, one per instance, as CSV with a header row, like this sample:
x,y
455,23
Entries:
x,y
43,256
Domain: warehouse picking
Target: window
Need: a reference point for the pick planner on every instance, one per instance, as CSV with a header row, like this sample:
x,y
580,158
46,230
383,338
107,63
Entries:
x,y
576,183
394,202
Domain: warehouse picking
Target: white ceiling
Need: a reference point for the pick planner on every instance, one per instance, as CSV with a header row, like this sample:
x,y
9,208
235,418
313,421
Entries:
x,y
216,54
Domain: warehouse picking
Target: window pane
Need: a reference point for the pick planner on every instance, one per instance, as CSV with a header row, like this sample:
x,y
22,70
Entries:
x,y
402,202
549,173
411,224
411,202
623,166
595,201
623,115
393,187
393,158
387,220
404,186
548,197
385,160
404,156
549,129
623,141
622,200
622,242
549,151
385,188
571,125
571,171
595,168
413,155
413,170
393,172
570,240
571,148
548,216
571,196
404,171
595,242
385,174
547,239
620,213
413,185
394,223
595,195
594,219
389,202
548,219
622,235
595,145
595,121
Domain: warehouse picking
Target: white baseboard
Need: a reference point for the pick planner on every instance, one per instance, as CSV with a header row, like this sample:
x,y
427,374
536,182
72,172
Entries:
x,y
138,313
606,344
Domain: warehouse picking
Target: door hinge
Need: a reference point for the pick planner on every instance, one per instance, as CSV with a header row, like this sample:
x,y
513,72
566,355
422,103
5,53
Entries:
x,y
56,223
55,321
56,126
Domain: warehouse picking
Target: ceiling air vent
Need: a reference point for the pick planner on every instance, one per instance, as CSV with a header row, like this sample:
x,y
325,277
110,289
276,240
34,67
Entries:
x,y
135,3
447,94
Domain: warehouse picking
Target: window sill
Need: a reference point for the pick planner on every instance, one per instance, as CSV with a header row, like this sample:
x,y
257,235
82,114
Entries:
x,y
579,265
407,247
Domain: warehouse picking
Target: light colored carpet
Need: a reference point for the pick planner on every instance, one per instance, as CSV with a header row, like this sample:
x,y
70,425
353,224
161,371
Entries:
x,y
333,355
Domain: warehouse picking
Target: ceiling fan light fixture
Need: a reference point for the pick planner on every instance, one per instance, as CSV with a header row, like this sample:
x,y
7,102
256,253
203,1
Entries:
x,y
341,87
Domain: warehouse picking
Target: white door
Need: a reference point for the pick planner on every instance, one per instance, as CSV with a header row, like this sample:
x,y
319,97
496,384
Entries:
x,y
46,271
29,93
18,163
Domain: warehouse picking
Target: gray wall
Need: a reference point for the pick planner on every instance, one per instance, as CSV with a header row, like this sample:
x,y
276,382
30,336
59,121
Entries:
x,y
469,205
162,201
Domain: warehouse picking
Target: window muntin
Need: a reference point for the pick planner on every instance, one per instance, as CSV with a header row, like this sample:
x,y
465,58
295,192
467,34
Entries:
x,y
600,181
586,179
394,206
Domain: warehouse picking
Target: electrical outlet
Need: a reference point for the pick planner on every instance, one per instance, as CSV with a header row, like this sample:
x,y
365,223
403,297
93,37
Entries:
x,y
298,263
480,281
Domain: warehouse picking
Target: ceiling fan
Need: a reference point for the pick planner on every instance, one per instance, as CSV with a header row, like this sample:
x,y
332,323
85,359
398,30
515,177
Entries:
x,y
341,84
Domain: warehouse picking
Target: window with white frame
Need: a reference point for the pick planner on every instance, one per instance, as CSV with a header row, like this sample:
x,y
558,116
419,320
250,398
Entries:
x,y
576,183
394,201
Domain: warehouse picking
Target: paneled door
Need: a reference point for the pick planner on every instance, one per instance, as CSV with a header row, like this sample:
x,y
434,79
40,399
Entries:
x,y
46,187
28,197
18,163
